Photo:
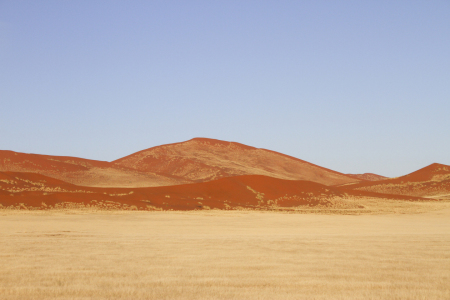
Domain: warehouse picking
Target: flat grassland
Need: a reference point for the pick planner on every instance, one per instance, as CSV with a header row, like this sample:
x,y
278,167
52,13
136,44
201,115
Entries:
x,y
224,255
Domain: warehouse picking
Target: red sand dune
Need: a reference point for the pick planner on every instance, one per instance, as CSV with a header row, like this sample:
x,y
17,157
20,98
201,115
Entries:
x,y
431,181
368,176
27,190
196,160
202,159
200,174
81,171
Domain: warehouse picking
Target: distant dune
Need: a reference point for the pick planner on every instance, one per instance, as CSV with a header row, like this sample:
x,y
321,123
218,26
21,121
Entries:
x,y
368,176
202,174
431,181
196,160
202,159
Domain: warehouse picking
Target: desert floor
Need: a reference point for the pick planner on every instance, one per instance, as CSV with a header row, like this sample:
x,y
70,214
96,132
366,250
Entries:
x,y
224,255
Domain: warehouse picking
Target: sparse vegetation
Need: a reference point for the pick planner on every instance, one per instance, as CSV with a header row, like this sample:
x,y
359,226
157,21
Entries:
x,y
76,254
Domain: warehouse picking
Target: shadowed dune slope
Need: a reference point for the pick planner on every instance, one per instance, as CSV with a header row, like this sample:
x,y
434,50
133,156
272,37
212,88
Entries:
x,y
202,159
431,181
27,190
368,176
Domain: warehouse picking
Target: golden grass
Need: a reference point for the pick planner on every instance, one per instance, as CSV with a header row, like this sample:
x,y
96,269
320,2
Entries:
x,y
224,255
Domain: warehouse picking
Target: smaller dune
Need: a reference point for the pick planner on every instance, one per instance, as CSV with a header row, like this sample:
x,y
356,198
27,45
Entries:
x,y
431,181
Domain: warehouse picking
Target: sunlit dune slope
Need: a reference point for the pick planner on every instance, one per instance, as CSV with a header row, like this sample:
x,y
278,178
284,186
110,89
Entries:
x,y
202,159
431,181
368,176
27,190
81,171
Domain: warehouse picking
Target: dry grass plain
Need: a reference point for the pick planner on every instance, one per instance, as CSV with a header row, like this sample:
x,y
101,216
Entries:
x,y
226,255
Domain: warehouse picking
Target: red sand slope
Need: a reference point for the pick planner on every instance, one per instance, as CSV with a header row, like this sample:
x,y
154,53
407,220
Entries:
x,y
197,160
24,162
27,190
431,181
368,176
202,159
81,171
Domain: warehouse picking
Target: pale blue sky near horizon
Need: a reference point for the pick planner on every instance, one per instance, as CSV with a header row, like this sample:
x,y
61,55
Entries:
x,y
354,86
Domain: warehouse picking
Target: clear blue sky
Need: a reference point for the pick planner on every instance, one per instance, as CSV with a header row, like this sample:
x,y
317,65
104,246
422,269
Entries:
x,y
355,86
